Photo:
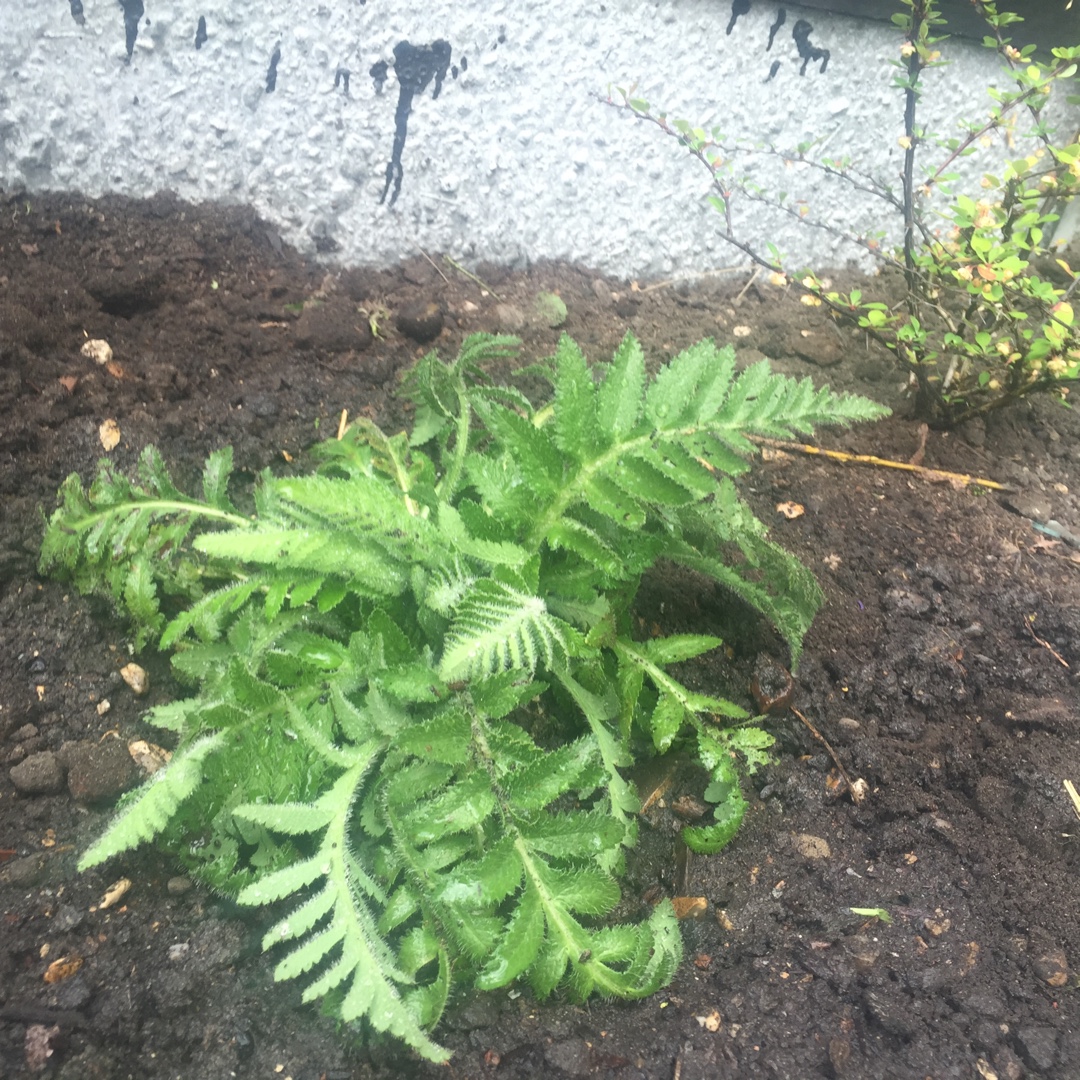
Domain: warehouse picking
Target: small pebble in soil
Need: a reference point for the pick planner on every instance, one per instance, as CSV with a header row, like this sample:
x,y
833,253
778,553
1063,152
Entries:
x,y
1038,1046
510,318
863,952
569,1055
68,918
245,1044
811,847
1052,968
98,771
136,677
39,774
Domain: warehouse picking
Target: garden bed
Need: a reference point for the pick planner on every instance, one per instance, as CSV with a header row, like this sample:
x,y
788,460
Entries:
x,y
942,671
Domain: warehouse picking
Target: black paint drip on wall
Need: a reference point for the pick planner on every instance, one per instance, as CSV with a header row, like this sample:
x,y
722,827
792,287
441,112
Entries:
x,y
341,76
77,12
200,33
271,71
774,67
738,7
133,12
415,67
781,18
809,53
379,72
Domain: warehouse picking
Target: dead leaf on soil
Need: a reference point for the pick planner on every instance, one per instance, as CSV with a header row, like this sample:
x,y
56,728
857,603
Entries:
x,y
109,434
147,756
791,510
69,382
938,926
712,1022
689,907
1043,543
116,369
114,892
62,968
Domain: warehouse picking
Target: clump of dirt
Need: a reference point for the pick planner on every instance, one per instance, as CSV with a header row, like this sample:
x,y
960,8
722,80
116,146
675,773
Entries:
x,y
942,672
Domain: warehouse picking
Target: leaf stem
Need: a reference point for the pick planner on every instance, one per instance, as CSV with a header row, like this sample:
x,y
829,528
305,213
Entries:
x,y
158,506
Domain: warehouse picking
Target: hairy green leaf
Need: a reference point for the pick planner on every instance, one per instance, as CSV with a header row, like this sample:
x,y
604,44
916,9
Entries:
x,y
496,628
152,806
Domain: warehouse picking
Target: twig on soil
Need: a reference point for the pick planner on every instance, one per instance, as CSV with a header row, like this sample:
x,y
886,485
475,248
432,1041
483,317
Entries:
x,y
668,282
887,463
857,788
743,291
472,277
438,269
1046,645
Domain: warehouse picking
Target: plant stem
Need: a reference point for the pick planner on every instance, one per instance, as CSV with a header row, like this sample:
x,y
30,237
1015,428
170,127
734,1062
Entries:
x,y
472,277
161,506
911,96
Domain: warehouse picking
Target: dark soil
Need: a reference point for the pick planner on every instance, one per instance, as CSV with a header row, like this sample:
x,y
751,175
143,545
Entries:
x,y
942,670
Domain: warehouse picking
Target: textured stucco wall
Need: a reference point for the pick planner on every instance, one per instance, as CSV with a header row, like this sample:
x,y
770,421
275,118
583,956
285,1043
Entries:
x,y
514,160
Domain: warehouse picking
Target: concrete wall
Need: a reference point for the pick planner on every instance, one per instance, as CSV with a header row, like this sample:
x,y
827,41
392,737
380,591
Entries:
x,y
489,108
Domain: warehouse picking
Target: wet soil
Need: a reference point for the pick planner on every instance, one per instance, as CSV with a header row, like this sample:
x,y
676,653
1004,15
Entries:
x,y
942,671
